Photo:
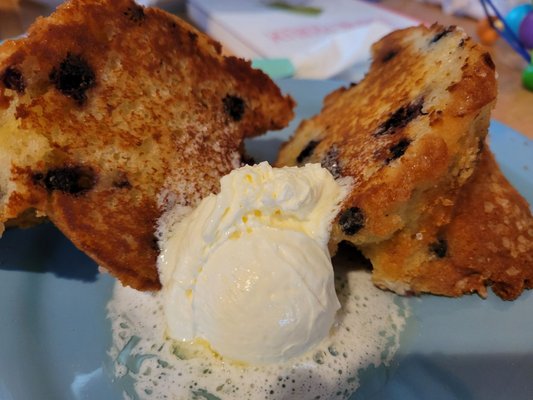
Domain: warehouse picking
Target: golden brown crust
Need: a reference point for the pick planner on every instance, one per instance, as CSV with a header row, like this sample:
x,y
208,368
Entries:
x,y
409,132
105,104
489,242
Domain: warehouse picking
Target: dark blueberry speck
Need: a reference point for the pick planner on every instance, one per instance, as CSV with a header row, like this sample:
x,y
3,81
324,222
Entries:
x,y
389,55
307,151
351,220
71,180
400,118
73,77
193,37
439,248
398,150
135,14
122,184
487,59
441,34
12,79
234,106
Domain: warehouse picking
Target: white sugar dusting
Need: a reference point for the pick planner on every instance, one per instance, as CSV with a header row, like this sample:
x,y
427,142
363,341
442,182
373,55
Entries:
x,y
147,366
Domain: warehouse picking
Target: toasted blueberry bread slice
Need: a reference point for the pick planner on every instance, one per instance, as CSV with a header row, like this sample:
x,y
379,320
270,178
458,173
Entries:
x,y
409,132
489,242
108,112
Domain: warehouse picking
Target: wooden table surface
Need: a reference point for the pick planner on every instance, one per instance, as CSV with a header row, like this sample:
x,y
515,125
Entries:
x,y
515,104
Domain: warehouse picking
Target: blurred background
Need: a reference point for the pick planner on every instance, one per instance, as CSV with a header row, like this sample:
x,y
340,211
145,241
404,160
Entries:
x,y
331,39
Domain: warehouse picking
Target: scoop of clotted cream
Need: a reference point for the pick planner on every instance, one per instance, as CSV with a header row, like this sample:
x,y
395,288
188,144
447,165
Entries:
x,y
249,270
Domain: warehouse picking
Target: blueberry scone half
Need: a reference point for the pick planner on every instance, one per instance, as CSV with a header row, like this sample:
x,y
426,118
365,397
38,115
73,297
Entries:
x,y
488,243
409,134
109,112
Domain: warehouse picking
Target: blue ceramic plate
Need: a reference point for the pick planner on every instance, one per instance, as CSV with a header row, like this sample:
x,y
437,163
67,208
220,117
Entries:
x,y
54,334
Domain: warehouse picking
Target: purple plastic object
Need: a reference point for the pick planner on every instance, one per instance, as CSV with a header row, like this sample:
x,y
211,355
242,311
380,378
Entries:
x,y
525,33
515,17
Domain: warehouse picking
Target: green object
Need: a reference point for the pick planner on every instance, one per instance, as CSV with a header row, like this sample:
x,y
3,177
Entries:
x,y
295,8
527,77
276,68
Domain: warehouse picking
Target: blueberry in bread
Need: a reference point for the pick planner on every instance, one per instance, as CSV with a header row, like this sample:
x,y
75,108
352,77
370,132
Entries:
x,y
489,242
108,112
408,134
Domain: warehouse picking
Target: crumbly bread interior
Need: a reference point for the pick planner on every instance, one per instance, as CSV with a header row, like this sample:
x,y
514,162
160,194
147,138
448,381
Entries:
x,y
409,134
109,113
489,242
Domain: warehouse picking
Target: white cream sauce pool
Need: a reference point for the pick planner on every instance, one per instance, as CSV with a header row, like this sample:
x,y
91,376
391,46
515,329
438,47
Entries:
x,y
147,366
